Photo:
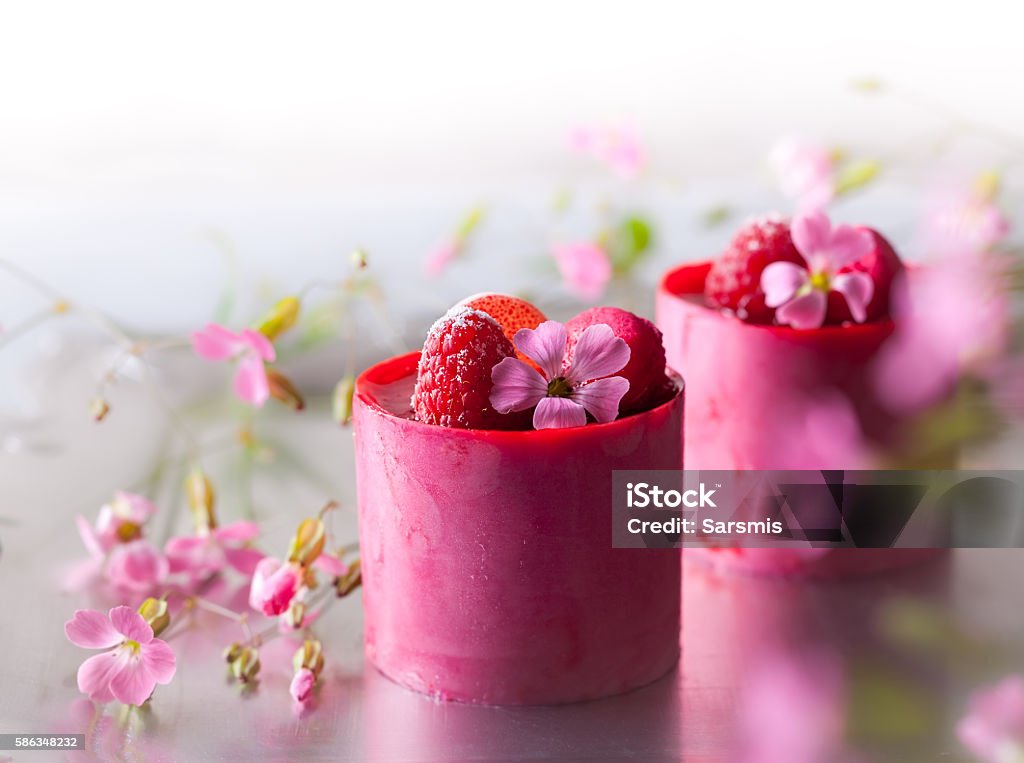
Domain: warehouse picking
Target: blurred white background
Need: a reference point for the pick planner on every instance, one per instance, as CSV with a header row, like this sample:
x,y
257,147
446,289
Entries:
x,y
130,131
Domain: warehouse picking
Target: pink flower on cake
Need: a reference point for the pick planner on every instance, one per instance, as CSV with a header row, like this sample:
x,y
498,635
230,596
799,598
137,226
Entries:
x,y
302,685
801,293
806,173
135,663
585,269
993,728
618,147
274,586
563,393
250,348
199,556
119,521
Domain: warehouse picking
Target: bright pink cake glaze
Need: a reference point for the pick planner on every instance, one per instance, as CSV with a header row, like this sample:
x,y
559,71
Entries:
x,y
488,568
745,387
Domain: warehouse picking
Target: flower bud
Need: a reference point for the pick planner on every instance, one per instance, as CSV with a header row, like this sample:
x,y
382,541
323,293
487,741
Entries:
x,y
154,612
341,401
282,389
232,652
247,666
281,318
309,656
98,409
351,580
296,615
308,542
359,259
199,491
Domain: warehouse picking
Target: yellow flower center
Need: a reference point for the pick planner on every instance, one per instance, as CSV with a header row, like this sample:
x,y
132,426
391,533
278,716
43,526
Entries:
x,y
821,281
559,387
132,645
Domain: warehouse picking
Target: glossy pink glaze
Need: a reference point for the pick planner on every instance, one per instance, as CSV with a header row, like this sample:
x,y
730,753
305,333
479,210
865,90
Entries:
x,y
746,385
488,568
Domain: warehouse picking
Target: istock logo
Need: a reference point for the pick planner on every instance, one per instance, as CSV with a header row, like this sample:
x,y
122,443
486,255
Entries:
x,y
641,495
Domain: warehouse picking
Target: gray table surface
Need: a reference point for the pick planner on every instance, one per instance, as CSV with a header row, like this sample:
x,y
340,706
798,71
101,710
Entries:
x,y
60,464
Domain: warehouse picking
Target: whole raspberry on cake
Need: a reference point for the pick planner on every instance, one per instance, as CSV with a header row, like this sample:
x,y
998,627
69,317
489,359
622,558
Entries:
x,y
453,380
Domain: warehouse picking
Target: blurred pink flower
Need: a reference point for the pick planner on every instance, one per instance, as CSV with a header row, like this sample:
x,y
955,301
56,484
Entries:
x,y
302,685
618,147
961,222
952,318
274,586
440,257
831,436
197,557
806,173
585,269
136,566
250,348
119,521
563,396
792,710
130,670
801,294
993,728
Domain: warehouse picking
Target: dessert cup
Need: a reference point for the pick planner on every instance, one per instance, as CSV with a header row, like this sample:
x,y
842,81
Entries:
x,y
488,569
747,392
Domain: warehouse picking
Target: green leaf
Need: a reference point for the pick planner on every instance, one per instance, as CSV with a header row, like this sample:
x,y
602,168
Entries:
x,y
470,222
856,175
628,243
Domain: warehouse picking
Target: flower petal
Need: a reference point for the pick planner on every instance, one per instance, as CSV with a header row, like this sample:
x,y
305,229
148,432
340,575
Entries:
x,y
240,531
330,565
90,629
858,289
598,353
137,566
558,413
585,269
544,345
158,658
780,281
302,684
517,387
133,507
131,682
601,397
244,560
259,343
806,312
810,233
89,537
215,342
94,675
131,624
251,385
848,244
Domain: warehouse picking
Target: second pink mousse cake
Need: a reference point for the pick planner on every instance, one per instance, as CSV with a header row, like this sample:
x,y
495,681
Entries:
x,y
750,382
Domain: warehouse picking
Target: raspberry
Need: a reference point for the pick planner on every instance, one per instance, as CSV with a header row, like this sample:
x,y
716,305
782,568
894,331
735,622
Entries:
x,y
453,381
883,265
645,370
734,281
511,313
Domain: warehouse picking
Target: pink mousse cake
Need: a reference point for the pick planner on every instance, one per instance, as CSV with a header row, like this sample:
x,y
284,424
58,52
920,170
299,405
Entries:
x,y
751,381
488,569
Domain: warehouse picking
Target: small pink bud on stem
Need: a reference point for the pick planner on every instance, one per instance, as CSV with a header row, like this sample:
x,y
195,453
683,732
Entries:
x,y
283,390
154,612
98,409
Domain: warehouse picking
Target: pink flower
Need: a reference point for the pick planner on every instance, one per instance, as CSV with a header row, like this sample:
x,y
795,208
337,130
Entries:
x,y
962,222
251,348
119,521
563,393
792,710
440,257
302,685
618,147
136,566
993,729
132,668
806,173
200,556
274,586
952,317
585,269
801,294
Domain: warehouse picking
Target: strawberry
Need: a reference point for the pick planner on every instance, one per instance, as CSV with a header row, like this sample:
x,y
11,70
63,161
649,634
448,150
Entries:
x,y
511,313
453,380
734,281
883,265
